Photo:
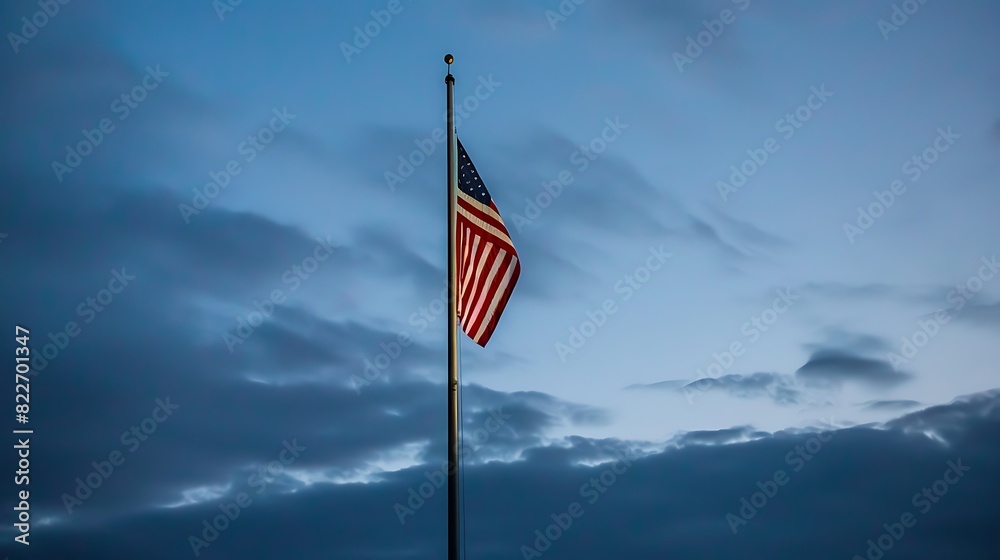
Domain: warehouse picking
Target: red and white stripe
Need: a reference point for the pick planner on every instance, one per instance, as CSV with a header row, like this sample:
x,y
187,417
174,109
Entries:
x,y
488,267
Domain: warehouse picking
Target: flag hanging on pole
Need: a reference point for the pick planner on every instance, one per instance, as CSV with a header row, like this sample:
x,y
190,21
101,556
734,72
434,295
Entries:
x,y
488,266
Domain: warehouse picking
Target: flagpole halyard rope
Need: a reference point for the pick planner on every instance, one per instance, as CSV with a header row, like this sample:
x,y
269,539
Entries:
x,y
461,456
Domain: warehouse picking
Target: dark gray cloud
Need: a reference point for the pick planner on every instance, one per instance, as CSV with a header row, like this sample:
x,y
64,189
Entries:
x,y
894,405
717,437
76,58
851,342
833,367
707,480
394,257
947,422
783,389
840,358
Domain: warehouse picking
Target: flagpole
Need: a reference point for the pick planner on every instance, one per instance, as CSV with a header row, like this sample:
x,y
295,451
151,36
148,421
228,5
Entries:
x,y
453,503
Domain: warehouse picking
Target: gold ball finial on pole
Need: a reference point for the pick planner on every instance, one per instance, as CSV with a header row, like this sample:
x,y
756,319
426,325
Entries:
x,y
448,59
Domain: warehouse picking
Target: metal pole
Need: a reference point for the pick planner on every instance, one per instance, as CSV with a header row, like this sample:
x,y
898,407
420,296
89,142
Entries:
x,y
453,502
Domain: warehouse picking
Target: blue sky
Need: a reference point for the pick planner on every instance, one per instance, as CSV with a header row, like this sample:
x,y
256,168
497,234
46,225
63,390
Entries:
x,y
246,159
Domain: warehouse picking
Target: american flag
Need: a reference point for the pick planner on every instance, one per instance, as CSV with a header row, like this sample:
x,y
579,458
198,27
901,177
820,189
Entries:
x,y
488,266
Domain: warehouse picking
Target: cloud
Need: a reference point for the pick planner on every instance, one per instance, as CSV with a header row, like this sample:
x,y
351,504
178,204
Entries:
x,y
986,314
77,58
757,239
850,342
876,291
892,405
718,437
566,237
780,388
609,196
839,359
947,423
851,291
835,367
670,384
